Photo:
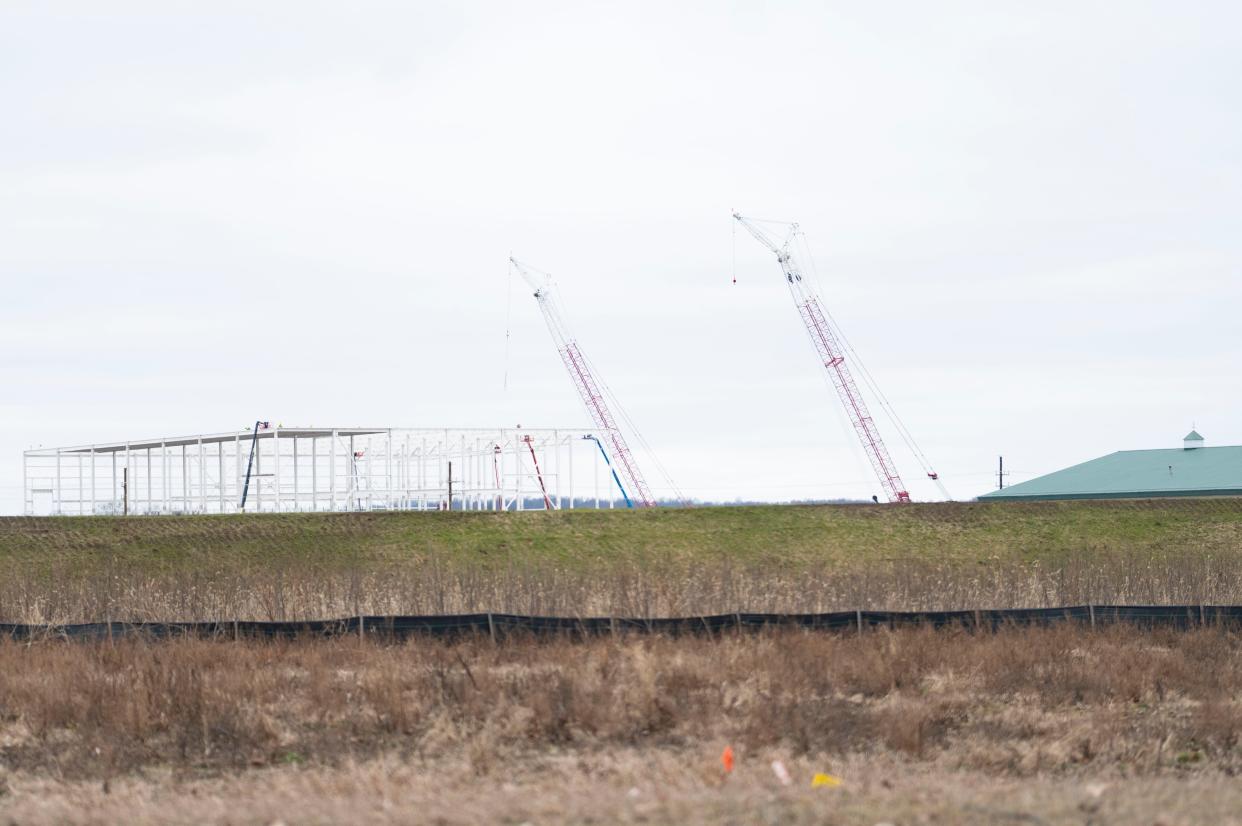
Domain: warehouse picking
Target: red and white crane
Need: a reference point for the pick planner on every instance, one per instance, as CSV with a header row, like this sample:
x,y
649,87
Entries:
x,y
828,343
589,388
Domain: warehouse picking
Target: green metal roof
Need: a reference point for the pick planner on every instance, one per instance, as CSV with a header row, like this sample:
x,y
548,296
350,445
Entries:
x,y
1192,436
1204,471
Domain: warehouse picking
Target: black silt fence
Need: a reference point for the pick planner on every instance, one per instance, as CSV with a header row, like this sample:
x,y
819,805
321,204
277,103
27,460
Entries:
x,y
497,626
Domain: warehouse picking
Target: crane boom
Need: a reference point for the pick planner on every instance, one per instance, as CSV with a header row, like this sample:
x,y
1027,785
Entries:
x,y
832,356
589,389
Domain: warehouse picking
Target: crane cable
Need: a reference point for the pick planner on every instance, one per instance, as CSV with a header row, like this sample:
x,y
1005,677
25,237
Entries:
x,y
885,405
636,433
551,294
734,225
848,432
858,457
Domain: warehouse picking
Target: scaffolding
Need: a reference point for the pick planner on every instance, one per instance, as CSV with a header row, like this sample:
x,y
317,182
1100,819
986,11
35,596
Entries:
x,y
321,469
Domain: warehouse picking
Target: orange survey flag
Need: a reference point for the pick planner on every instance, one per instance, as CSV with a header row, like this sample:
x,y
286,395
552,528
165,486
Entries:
x,y
726,759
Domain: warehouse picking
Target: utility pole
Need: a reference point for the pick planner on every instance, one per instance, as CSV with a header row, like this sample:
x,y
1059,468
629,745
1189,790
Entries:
x,y
450,486
1001,474
124,491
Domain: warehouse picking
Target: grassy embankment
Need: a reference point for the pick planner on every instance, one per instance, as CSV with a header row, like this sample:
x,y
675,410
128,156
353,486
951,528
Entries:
x,y
583,562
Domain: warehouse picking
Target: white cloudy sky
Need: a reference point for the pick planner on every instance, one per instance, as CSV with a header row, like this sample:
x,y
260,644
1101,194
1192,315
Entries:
x,y
1025,217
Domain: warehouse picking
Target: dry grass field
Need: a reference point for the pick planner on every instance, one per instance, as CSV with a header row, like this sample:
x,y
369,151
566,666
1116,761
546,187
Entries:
x,y
1026,726
1061,725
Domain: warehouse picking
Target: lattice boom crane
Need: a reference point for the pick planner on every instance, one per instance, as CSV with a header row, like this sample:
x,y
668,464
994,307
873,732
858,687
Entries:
x,y
832,356
588,388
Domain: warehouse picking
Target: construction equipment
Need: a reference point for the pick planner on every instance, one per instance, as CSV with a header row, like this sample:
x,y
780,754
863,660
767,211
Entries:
x,y
500,497
530,444
629,503
589,388
254,442
831,348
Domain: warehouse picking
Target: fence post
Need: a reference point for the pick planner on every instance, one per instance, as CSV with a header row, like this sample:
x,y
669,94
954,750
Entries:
x,y
858,616
1091,611
491,626
361,628
236,633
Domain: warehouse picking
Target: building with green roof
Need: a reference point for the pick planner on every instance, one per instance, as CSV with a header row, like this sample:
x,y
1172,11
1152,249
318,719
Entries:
x,y
1191,470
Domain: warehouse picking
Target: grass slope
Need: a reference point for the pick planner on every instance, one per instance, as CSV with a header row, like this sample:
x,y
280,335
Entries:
x,y
838,537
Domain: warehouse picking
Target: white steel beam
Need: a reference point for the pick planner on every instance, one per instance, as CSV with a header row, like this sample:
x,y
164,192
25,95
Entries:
x,y
407,471
276,464
202,478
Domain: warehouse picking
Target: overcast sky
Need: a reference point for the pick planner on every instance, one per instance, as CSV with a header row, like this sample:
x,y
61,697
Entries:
x,y
1025,216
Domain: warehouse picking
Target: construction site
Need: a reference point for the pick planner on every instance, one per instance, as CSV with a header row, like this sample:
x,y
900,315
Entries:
x,y
289,469
276,469
413,432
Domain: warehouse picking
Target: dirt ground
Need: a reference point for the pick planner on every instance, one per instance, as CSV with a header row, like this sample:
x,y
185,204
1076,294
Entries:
x,y
652,786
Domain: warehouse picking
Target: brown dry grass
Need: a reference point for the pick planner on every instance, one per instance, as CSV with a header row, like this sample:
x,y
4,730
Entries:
x,y
1022,703
623,588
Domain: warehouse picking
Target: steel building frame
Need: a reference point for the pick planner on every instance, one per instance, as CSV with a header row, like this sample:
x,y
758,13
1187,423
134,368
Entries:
x,y
319,469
